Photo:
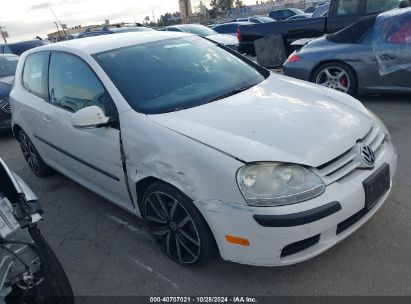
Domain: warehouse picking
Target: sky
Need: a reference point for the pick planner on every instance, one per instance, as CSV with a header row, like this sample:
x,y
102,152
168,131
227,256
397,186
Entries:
x,y
26,19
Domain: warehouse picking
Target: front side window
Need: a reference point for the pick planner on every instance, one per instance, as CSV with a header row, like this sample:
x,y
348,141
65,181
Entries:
x,y
35,68
348,7
175,74
73,85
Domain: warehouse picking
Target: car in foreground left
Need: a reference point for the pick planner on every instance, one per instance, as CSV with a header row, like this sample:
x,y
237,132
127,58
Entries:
x,y
8,65
30,271
224,156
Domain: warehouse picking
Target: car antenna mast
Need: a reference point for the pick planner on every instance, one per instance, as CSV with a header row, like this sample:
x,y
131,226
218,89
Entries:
x,y
59,22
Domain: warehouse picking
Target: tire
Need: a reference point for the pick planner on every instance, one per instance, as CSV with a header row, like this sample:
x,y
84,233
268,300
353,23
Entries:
x,y
32,156
55,288
340,77
177,226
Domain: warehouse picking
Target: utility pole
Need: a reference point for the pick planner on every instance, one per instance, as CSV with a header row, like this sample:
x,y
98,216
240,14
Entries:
x,y
3,34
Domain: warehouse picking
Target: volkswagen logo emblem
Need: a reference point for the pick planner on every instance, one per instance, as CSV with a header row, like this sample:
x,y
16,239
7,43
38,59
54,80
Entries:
x,y
367,155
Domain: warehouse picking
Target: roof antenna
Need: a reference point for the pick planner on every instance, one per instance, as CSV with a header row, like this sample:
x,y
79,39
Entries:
x,y
59,22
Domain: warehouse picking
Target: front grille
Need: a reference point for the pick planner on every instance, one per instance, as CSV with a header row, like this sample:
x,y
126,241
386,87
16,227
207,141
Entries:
x,y
299,246
346,163
5,106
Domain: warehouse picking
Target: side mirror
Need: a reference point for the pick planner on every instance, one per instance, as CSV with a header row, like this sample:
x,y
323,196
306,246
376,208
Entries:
x,y
89,117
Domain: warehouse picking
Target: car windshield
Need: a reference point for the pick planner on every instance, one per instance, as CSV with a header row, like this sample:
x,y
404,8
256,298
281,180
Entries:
x,y
8,66
199,30
176,74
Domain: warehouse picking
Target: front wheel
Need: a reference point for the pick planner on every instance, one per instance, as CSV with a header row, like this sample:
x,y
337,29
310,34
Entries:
x,y
178,227
338,76
32,156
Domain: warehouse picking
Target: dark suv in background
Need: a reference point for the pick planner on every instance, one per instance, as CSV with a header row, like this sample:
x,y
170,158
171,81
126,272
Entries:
x,y
8,64
19,48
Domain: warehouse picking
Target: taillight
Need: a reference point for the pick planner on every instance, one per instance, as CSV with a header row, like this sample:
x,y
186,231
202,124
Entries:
x,y
294,58
238,34
403,35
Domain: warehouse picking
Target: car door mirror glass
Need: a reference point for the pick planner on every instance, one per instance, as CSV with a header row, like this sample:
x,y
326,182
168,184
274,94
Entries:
x,y
89,117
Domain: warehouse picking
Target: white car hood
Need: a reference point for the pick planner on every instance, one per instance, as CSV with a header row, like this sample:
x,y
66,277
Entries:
x,y
224,39
281,119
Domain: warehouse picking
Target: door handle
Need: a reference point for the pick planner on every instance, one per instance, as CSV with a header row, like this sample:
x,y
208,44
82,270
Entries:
x,y
47,119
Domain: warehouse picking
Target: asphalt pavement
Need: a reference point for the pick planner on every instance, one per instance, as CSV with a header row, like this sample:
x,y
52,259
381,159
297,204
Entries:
x,y
107,251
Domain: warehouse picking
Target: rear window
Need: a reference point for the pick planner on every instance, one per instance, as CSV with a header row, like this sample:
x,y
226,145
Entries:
x,y
226,28
8,66
348,7
379,6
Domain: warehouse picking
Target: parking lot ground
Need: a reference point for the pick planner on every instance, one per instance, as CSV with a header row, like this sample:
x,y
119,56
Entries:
x,y
107,251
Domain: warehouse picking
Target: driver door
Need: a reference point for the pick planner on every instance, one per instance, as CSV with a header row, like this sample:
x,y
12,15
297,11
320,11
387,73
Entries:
x,y
91,156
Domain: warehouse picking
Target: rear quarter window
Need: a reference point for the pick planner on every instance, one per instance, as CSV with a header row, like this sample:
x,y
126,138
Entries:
x,y
34,74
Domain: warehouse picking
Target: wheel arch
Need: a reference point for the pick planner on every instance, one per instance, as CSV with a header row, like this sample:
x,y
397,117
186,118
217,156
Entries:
x,y
144,183
16,129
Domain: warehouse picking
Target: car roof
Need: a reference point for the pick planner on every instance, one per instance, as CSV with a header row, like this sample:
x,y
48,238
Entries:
x,y
102,43
286,9
9,55
236,22
185,25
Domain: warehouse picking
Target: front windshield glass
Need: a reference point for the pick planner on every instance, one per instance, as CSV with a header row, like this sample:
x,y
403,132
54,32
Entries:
x,y
175,74
8,66
199,30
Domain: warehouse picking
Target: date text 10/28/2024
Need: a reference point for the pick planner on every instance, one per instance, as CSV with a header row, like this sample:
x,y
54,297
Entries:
x,y
203,300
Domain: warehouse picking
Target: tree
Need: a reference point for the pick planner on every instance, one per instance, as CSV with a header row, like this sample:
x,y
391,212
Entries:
x,y
226,4
214,4
239,3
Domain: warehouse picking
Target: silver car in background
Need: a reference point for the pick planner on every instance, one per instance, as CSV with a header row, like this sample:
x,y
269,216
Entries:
x,y
346,61
205,32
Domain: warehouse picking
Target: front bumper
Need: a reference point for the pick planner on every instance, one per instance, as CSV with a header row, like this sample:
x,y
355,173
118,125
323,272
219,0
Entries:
x,y
301,241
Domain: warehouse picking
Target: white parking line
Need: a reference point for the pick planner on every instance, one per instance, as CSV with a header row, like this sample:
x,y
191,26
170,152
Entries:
x,y
151,270
126,224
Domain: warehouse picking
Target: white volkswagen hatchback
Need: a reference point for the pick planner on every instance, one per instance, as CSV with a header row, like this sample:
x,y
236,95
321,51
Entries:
x,y
214,152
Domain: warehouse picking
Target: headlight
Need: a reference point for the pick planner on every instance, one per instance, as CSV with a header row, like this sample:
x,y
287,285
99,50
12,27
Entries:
x,y
382,125
277,184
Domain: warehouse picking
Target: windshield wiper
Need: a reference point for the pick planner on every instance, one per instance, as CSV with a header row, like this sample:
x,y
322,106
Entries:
x,y
234,92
